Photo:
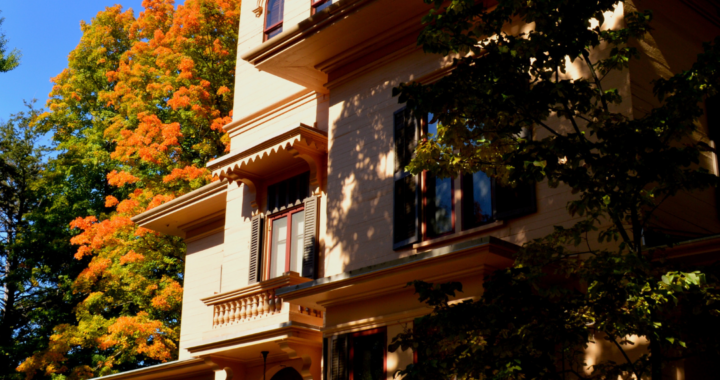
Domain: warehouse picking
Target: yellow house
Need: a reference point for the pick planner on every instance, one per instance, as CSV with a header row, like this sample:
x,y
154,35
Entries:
x,y
298,257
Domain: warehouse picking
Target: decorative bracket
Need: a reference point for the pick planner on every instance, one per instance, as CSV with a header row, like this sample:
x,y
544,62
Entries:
x,y
220,373
259,10
292,354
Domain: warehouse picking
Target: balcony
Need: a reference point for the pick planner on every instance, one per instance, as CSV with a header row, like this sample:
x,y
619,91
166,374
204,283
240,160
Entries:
x,y
258,305
253,319
339,41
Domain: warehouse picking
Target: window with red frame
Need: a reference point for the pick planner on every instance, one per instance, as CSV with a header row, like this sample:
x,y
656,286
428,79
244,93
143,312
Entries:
x,y
274,18
319,5
284,238
359,356
286,231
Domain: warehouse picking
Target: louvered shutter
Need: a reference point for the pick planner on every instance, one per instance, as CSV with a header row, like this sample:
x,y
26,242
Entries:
x,y
518,201
256,240
309,261
406,189
339,367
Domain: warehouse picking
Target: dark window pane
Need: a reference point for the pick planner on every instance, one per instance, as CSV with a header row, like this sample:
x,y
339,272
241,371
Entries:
x,y
405,212
288,192
439,212
274,14
274,33
323,6
405,140
368,362
477,200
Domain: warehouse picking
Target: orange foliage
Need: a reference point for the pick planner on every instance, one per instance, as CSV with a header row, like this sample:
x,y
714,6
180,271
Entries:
x,y
167,80
131,257
110,201
121,179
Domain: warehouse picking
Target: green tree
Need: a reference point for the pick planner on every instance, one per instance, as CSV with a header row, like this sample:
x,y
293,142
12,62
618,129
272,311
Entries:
x,y
12,59
536,319
33,275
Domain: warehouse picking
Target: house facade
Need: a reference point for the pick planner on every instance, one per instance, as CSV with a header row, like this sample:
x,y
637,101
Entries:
x,y
299,255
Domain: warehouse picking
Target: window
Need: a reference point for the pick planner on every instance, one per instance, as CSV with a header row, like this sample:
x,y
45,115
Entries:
x,y
359,356
273,18
319,5
290,242
427,210
286,242
438,198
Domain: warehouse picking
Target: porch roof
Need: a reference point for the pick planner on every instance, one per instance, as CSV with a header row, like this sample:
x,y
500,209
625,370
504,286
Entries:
x,y
443,264
179,369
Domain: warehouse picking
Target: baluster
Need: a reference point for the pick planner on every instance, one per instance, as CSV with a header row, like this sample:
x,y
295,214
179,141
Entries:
x,y
271,301
254,308
259,300
221,320
259,306
233,310
216,315
266,304
243,314
238,308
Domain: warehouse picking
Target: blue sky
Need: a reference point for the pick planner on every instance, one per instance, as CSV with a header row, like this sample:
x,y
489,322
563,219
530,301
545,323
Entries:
x,y
45,31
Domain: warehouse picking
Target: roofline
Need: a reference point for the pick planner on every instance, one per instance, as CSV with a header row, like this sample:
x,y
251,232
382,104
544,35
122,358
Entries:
x,y
189,198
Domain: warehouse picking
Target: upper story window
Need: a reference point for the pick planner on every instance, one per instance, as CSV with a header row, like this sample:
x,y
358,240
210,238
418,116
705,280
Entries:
x,y
288,241
274,18
425,205
319,5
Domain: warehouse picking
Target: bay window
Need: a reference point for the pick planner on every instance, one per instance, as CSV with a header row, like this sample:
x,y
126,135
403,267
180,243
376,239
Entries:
x,y
425,205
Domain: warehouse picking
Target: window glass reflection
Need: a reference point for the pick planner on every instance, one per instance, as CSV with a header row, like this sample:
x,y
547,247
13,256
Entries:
x,y
440,205
279,247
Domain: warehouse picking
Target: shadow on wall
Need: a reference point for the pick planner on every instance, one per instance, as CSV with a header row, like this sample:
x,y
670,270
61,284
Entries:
x,y
360,179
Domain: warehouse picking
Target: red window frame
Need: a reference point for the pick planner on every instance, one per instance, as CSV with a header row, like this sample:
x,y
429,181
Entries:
x,y
381,330
269,29
315,4
424,193
288,249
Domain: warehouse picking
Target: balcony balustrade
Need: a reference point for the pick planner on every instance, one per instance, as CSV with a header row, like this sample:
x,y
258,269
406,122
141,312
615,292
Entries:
x,y
257,306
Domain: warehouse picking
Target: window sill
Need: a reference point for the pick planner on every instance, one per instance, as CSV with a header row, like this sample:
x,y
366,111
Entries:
x,y
459,235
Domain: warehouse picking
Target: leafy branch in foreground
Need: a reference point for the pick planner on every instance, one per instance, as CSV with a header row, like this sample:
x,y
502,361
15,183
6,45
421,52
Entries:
x,y
594,282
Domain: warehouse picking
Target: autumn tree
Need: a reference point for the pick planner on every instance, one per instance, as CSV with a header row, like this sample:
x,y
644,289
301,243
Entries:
x,y
136,115
8,61
595,280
